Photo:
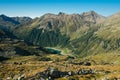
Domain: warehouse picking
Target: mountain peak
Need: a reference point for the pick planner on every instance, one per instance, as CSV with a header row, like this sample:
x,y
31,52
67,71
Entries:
x,y
22,19
92,16
92,12
61,13
89,13
4,18
2,15
49,15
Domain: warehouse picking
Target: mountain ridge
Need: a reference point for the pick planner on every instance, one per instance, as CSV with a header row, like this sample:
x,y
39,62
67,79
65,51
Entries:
x,y
66,23
84,34
60,46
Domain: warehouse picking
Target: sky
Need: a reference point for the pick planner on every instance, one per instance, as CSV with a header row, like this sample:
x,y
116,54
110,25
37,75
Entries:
x,y
36,8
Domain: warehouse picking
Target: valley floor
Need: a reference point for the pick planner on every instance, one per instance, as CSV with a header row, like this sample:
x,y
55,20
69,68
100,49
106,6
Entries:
x,y
32,67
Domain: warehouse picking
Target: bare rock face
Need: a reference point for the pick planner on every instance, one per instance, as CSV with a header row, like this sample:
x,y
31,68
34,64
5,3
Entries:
x,y
93,17
65,20
66,23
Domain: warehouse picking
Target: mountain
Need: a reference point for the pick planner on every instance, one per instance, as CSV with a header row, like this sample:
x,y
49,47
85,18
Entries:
x,y
111,27
52,30
7,22
22,20
69,24
11,46
100,39
2,33
80,46
83,34
93,17
6,34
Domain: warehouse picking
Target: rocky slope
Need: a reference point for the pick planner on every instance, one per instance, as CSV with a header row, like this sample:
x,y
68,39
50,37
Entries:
x,y
93,17
60,27
92,37
83,34
102,38
22,20
8,23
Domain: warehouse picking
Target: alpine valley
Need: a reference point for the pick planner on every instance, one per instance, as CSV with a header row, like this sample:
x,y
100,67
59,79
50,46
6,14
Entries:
x,y
60,46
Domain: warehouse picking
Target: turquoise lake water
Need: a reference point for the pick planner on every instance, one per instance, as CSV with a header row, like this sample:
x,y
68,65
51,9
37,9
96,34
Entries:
x,y
54,51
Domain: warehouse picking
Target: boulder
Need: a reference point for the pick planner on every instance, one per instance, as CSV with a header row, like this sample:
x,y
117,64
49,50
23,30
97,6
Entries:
x,y
8,78
85,71
21,77
71,73
53,72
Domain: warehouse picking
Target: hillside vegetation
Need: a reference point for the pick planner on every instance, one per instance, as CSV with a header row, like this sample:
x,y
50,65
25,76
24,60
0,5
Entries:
x,y
60,47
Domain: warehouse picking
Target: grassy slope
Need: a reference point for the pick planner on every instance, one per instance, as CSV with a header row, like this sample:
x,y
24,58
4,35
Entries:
x,y
102,38
30,65
111,27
